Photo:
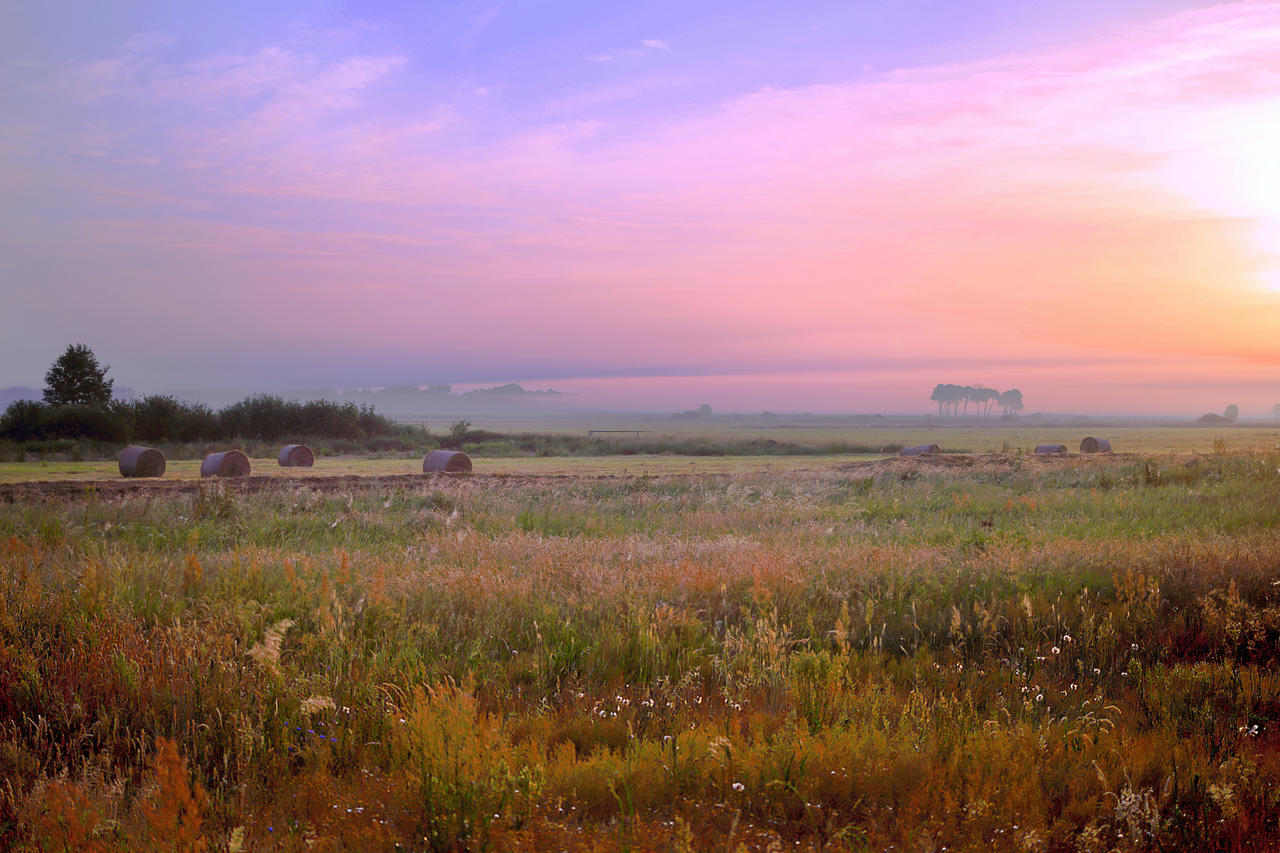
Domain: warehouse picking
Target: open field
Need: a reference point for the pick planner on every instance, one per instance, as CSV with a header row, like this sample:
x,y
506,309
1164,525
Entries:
x,y
694,450
987,652
637,465
971,436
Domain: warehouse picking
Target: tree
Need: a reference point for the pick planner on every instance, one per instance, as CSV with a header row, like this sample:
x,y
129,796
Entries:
x,y
1011,401
1275,413
985,398
947,396
77,379
940,397
1232,412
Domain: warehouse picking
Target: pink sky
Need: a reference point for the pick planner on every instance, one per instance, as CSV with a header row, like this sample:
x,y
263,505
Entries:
x,y
1097,223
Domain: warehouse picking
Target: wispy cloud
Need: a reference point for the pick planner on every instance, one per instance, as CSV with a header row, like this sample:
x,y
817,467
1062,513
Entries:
x,y
996,209
645,46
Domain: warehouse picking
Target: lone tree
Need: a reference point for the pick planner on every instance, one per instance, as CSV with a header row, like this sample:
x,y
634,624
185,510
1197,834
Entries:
x,y
1232,412
77,379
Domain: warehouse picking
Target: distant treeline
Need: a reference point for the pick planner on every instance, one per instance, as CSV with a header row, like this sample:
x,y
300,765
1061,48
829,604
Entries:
x,y
163,418
951,397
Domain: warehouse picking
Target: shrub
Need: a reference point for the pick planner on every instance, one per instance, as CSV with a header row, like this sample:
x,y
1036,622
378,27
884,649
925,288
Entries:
x,y
159,417
24,420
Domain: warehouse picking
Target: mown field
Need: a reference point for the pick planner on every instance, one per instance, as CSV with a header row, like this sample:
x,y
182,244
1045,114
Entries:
x,y
994,653
677,448
345,466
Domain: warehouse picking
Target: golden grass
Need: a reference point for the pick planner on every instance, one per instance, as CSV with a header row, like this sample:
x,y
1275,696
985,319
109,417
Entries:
x,y
1000,656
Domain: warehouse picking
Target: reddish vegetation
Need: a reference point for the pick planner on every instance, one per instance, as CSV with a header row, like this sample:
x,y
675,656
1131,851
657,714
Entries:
x,y
1058,658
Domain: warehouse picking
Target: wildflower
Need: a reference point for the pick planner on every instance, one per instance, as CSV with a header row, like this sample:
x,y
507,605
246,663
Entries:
x,y
738,786
1056,650
1066,638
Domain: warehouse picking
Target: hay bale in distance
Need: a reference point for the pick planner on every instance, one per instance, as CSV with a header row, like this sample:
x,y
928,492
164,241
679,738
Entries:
x,y
1095,445
920,450
228,463
296,456
139,461
1050,449
449,461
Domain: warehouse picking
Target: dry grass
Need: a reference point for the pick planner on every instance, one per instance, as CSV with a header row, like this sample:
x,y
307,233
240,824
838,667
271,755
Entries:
x,y
994,655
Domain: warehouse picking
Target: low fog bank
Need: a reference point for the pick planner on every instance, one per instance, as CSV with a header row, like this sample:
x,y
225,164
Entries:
x,y
512,404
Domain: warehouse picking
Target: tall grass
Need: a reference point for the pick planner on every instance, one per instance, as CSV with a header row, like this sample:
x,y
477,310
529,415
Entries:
x,y
998,658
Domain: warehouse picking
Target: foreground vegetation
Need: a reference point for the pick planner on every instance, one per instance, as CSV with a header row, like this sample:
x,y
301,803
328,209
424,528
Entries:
x,y
1013,655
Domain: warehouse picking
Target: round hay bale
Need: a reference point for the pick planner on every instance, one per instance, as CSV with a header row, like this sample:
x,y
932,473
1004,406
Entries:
x,y
920,450
228,463
449,461
296,456
1095,445
139,461
1050,449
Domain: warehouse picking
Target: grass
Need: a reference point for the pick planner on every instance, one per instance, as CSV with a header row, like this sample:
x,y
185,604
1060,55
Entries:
x,y
1004,655
974,436
718,447
19,472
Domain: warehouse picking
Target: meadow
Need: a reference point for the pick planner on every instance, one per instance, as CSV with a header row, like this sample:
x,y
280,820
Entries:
x,y
988,652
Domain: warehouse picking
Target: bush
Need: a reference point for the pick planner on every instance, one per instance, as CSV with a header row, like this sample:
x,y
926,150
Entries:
x,y
24,420
27,420
273,418
160,417
92,422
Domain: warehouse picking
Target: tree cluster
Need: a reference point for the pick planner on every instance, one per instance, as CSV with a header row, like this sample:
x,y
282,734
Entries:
x,y
950,399
162,418
77,405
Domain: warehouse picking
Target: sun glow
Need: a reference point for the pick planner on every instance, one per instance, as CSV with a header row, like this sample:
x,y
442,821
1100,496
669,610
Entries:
x,y
1226,164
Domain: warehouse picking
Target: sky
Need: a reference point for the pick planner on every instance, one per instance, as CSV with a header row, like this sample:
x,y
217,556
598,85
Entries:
x,y
823,206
